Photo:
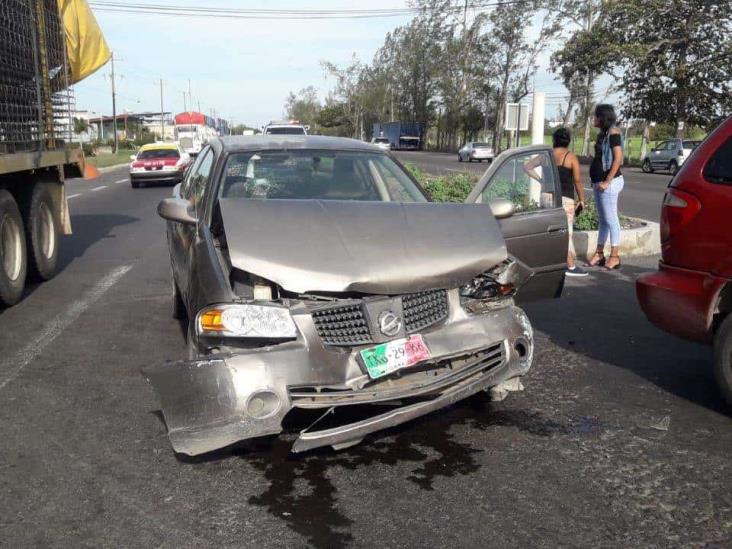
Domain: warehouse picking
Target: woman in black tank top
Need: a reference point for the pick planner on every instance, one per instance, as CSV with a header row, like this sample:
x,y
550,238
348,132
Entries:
x,y
569,176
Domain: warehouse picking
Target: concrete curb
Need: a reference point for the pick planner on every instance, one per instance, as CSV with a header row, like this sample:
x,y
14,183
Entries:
x,y
643,241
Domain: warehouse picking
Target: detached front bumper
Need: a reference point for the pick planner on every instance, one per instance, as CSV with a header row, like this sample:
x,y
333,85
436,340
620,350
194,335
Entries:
x,y
213,402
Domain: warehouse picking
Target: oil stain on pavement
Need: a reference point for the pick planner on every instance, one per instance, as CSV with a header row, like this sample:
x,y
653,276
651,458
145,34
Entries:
x,y
301,493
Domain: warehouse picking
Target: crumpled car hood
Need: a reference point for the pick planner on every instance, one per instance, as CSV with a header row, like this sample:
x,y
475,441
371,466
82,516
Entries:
x,y
370,247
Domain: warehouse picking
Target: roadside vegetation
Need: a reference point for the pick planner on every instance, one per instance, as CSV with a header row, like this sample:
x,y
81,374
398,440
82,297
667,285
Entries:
x,y
107,159
456,186
454,69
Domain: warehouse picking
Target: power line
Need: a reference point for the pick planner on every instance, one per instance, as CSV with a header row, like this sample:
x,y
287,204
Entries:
x,y
275,14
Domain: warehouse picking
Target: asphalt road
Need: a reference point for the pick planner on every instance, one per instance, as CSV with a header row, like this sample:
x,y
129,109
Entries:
x,y
620,438
641,197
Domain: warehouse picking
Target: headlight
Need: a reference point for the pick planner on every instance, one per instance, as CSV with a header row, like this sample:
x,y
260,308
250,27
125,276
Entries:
x,y
246,320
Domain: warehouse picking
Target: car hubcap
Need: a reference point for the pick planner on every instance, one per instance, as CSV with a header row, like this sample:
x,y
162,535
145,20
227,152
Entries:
x,y
11,248
48,232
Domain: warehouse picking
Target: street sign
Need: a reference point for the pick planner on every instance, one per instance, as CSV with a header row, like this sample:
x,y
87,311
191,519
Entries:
x,y
517,117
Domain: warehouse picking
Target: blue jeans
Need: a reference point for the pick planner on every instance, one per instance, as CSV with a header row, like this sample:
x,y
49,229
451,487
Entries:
x,y
607,208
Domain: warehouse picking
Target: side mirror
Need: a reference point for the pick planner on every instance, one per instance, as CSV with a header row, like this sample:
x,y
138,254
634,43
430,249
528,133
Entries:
x,y
133,157
177,209
501,208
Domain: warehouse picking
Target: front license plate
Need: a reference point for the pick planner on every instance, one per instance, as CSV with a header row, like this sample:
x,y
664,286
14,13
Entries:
x,y
394,355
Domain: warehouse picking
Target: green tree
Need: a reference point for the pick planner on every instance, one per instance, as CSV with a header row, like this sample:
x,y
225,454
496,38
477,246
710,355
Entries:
x,y
81,125
305,106
674,57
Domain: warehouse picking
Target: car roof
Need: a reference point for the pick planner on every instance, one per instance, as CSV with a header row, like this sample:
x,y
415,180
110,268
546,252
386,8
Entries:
x,y
259,142
159,146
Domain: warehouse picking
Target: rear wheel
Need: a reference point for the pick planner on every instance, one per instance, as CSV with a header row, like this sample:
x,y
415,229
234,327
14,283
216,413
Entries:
x,y
646,167
673,167
12,251
41,231
723,358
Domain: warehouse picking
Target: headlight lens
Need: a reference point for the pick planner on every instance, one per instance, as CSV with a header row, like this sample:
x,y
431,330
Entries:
x,y
246,320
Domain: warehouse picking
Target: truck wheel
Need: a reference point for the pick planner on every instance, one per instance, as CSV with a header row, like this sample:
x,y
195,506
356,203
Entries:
x,y
12,251
647,167
723,358
41,233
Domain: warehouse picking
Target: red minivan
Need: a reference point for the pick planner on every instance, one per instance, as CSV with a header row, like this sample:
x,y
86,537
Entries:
x,y
691,293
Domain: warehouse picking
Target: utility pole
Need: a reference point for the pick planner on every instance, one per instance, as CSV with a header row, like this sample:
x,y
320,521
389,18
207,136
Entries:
x,y
162,112
114,110
190,97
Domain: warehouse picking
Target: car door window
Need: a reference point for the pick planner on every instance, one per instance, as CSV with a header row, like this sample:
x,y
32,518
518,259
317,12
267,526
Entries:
x,y
661,146
185,188
527,180
719,167
201,177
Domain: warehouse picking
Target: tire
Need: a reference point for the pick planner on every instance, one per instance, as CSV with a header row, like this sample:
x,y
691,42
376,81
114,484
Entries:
x,y
723,358
647,167
178,307
41,232
13,260
673,167
460,158
134,184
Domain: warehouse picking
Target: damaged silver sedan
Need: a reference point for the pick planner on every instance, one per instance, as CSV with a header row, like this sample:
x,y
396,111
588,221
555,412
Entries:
x,y
315,274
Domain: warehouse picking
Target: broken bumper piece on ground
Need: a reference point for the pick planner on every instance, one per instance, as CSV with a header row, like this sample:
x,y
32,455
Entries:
x,y
214,402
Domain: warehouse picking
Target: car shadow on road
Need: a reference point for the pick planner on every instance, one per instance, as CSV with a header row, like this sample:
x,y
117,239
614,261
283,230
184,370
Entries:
x,y
89,229
599,317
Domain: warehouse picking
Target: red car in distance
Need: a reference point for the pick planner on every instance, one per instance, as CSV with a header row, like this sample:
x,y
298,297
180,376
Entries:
x,y
690,295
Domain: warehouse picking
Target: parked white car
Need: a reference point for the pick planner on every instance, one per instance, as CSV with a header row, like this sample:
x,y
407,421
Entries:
x,y
669,155
475,151
382,143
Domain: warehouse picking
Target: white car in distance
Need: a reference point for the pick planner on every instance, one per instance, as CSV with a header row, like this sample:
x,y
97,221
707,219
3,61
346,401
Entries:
x,y
475,151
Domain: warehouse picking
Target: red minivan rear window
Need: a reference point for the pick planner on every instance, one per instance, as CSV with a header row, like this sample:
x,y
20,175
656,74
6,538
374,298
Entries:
x,y
719,167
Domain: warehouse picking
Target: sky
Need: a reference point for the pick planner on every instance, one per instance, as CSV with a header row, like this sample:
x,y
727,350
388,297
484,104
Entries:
x,y
244,69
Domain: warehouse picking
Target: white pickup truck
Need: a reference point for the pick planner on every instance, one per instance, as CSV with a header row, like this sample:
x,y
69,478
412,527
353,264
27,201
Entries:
x,y
291,127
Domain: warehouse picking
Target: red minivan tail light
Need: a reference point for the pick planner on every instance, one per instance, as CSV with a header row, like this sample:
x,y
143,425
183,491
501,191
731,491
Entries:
x,y
678,209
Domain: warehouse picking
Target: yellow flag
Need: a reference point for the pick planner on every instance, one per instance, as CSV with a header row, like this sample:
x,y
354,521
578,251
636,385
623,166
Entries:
x,y
86,47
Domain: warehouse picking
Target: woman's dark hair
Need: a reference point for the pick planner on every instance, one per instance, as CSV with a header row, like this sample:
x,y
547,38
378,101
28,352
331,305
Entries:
x,y
606,114
561,137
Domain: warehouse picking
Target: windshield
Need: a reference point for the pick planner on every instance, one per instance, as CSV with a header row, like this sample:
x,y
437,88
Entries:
x,y
186,129
157,153
321,175
690,144
288,130
381,140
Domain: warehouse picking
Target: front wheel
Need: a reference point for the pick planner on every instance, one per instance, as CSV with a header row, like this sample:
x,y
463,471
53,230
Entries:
x,y
41,232
723,358
646,167
460,158
673,167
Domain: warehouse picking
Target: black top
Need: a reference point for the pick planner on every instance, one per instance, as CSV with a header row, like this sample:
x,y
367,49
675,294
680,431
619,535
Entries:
x,y
597,174
566,179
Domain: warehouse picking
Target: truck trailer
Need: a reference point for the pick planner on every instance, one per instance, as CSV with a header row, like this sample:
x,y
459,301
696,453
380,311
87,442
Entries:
x,y
46,45
401,135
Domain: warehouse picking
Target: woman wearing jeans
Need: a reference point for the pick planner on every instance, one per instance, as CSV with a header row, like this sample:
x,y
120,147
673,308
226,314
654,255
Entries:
x,y
607,183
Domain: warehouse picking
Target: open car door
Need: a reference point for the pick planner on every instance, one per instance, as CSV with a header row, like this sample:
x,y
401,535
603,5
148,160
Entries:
x,y
522,187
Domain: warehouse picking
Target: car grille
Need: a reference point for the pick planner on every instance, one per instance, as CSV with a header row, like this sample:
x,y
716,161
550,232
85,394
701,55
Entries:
x,y
342,325
347,324
424,309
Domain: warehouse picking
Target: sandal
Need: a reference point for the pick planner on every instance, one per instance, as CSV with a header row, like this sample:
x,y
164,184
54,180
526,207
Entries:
x,y
600,260
617,266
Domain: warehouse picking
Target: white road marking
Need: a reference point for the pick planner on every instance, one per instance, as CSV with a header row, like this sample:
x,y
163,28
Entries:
x,y
121,181
55,327
73,196
99,188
